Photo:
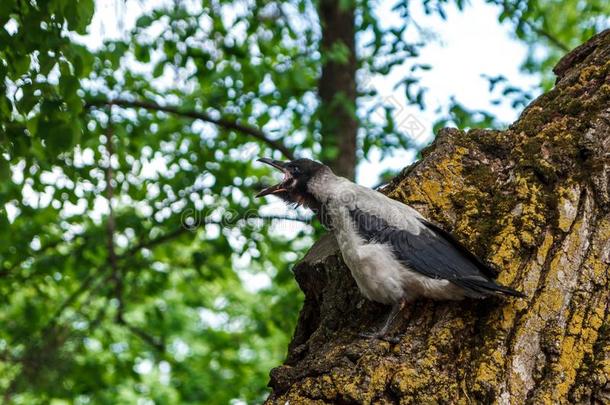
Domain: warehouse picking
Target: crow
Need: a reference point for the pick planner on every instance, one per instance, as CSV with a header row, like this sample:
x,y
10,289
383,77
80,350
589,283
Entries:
x,y
395,255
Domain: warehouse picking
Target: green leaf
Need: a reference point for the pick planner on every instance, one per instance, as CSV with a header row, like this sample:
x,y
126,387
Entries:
x,y
85,14
6,8
6,106
68,84
159,68
144,21
78,15
58,136
5,226
28,100
5,170
142,53
82,61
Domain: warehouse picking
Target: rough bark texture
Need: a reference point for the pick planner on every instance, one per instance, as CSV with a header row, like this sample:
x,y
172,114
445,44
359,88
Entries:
x,y
337,87
534,201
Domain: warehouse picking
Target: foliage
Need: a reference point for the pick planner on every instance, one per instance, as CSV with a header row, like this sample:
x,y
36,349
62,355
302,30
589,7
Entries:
x,y
135,263
551,28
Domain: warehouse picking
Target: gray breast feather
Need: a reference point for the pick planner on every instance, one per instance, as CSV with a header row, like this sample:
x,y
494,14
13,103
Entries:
x,y
432,252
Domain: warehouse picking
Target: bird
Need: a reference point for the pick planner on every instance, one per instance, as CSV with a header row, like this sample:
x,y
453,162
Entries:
x,y
394,253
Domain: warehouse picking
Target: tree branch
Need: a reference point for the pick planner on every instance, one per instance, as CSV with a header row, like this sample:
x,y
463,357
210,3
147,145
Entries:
x,y
116,275
552,39
197,115
156,343
512,11
183,229
156,241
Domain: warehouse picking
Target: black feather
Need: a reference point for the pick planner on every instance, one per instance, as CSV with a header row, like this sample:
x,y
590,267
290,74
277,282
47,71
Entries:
x,y
432,252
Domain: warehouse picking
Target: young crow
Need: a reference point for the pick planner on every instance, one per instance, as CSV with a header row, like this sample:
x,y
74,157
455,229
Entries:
x,y
394,253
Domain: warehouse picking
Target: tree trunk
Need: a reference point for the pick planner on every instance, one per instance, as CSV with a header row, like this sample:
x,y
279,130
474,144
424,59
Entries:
x,y
337,87
533,201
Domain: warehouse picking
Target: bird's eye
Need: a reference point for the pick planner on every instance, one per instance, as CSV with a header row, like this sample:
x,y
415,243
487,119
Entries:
x,y
295,170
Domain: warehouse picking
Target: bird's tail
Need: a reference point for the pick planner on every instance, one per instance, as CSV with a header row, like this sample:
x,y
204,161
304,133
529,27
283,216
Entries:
x,y
508,291
483,288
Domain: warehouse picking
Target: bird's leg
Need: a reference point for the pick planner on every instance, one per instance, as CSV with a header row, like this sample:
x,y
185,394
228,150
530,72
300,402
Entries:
x,y
396,309
382,333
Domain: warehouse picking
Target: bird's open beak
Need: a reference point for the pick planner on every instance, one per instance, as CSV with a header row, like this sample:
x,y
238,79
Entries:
x,y
277,188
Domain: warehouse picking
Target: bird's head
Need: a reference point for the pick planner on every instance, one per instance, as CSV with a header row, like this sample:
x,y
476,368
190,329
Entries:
x,y
294,186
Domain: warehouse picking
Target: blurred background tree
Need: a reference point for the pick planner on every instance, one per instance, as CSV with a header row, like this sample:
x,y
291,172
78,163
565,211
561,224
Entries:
x,y
135,264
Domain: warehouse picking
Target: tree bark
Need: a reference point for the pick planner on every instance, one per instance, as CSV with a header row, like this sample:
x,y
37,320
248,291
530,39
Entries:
x,y
533,201
337,87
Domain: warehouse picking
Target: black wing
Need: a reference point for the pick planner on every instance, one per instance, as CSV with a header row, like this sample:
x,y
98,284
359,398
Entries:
x,y
433,252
